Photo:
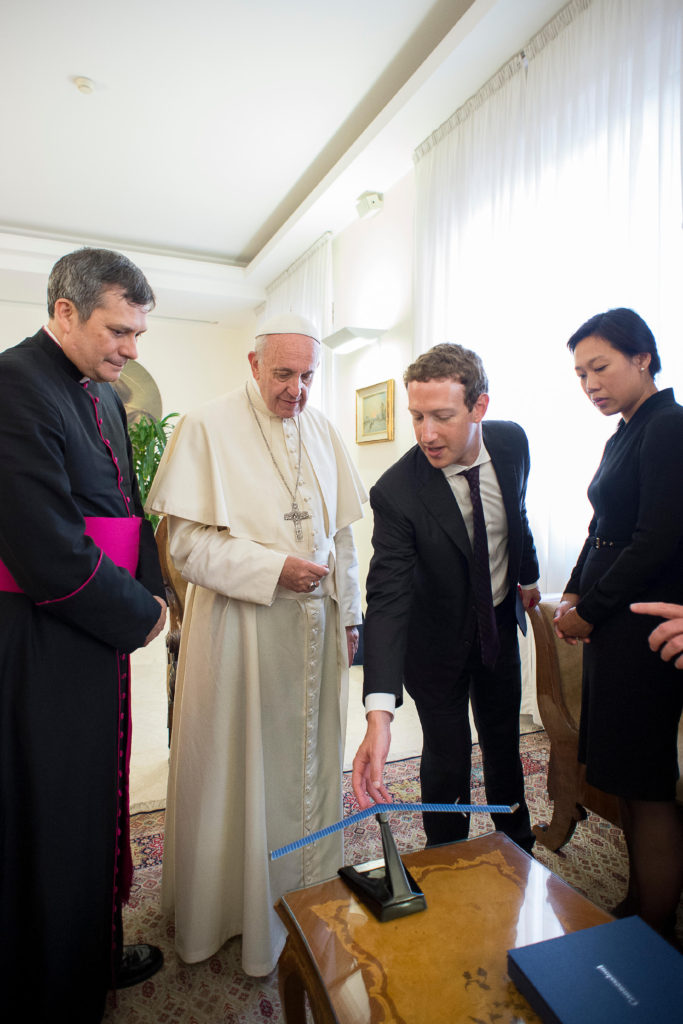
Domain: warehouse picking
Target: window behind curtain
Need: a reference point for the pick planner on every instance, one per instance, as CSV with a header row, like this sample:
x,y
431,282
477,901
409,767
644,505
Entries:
x,y
553,195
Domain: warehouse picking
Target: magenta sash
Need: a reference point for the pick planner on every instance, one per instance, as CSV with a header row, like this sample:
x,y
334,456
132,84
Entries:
x,y
118,538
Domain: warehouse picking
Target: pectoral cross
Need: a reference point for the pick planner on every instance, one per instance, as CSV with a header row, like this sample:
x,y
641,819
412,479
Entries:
x,y
296,516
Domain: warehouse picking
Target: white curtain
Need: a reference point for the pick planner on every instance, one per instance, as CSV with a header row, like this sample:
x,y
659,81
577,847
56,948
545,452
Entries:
x,y
306,288
554,194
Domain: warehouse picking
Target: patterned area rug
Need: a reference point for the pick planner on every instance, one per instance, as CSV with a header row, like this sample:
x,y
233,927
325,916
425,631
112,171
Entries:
x,y
218,991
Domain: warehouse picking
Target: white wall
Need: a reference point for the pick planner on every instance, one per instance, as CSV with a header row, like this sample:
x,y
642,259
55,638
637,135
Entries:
x,y
193,363
190,362
19,320
372,267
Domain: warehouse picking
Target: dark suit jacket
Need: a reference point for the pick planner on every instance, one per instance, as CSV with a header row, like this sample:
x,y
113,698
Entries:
x,y
420,622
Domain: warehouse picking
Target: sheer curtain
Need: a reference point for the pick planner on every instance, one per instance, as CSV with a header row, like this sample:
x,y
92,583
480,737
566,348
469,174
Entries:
x,y
306,288
554,194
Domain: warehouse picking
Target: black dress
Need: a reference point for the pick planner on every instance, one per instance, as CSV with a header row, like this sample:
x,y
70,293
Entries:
x,y
632,700
64,455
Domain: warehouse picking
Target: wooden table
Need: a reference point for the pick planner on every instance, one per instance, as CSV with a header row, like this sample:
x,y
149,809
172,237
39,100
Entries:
x,y
446,964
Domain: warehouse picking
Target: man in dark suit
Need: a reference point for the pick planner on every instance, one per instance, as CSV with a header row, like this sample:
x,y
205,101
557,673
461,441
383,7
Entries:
x,y
446,589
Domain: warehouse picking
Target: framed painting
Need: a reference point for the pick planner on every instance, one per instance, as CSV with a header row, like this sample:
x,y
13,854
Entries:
x,y
375,413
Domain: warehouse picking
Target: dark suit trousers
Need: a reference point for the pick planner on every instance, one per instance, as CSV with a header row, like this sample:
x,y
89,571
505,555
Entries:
x,y
447,742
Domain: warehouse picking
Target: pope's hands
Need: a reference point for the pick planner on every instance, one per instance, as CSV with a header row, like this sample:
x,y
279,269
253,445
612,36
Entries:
x,y
300,575
368,764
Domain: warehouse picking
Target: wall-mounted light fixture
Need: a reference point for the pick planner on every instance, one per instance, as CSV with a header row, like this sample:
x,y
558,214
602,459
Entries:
x,y
369,204
350,339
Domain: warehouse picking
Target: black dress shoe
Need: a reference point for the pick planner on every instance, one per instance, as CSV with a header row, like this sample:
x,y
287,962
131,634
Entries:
x,y
139,963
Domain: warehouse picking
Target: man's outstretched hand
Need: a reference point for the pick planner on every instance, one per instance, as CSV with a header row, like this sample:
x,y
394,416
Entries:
x,y
368,764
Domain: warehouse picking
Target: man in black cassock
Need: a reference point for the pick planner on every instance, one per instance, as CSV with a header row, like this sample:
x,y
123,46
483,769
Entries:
x,y
70,612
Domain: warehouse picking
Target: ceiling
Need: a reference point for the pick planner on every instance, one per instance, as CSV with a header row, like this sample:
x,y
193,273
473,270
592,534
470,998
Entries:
x,y
222,137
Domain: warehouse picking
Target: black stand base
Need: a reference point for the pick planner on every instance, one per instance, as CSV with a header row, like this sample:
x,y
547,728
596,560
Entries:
x,y
389,890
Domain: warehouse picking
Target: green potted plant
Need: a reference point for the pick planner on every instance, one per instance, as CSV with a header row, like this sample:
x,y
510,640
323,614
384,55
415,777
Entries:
x,y
148,437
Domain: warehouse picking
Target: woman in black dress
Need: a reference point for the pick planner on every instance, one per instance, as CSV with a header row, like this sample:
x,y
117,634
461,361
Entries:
x,y
632,700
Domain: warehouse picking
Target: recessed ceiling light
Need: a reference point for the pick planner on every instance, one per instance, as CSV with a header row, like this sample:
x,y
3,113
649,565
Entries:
x,y
84,85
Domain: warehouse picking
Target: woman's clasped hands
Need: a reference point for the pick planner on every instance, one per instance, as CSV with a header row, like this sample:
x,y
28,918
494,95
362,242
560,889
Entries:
x,y
569,626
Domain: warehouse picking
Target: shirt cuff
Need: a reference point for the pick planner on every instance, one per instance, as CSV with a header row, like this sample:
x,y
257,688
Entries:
x,y
530,586
380,702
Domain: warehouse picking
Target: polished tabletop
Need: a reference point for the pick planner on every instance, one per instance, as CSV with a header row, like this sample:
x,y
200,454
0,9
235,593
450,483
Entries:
x,y
447,963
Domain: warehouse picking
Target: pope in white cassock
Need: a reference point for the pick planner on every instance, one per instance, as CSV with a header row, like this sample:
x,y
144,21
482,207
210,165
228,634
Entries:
x,y
260,493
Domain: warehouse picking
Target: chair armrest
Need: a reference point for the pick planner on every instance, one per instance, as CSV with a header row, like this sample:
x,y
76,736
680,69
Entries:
x,y
558,674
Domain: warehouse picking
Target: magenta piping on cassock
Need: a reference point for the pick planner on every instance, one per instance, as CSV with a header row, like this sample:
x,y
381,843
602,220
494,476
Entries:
x,y
56,600
117,537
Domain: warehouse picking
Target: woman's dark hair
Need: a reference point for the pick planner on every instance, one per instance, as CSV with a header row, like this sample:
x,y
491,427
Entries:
x,y
624,330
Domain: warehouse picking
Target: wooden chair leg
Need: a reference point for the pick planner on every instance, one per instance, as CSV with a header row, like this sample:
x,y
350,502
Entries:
x,y
563,787
561,828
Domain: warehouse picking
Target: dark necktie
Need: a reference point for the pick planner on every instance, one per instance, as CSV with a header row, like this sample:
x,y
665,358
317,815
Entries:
x,y
481,582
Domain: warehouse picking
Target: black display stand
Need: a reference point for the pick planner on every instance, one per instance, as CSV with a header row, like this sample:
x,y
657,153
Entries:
x,y
388,889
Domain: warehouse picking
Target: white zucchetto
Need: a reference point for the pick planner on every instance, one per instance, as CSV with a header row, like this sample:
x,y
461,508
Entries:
x,y
289,323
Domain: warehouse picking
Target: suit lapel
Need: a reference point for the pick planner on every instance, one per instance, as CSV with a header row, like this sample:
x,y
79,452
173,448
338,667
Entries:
x,y
435,493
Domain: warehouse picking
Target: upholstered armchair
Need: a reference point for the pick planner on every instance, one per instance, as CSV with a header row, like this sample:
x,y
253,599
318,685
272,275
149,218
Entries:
x,y
558,687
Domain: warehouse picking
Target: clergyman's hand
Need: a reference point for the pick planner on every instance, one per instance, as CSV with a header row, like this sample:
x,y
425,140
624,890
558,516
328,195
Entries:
x,y
368,764
300,575
160,623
